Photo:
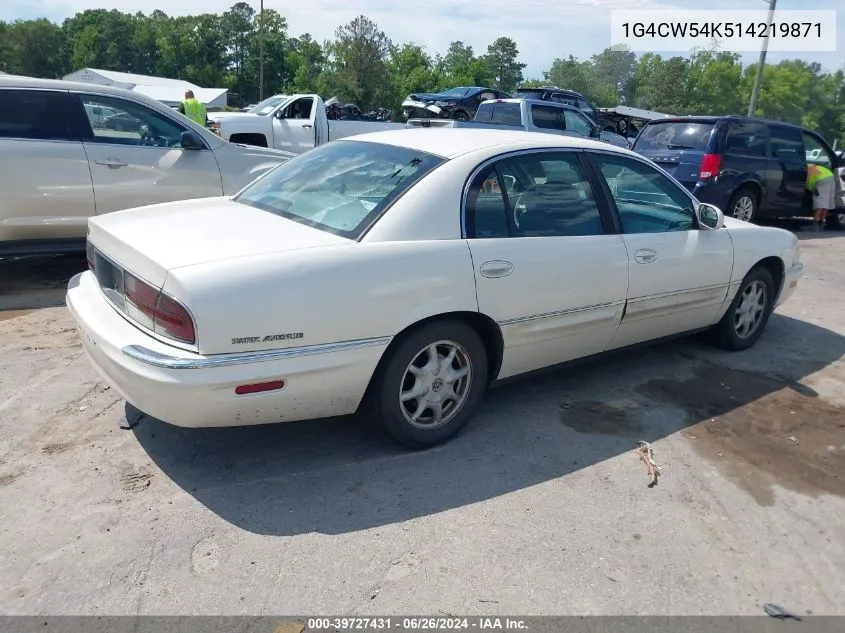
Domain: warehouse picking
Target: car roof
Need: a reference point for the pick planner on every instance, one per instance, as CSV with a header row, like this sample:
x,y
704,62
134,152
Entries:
x,y
14,81
704,118
453,142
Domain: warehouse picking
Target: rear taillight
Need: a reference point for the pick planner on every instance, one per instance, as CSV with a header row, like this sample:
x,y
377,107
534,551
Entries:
x,y
710,165
173,320
156,311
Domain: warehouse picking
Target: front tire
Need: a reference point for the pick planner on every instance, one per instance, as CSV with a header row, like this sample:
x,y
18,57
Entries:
x,y
746,317
743,205
460,115
431,384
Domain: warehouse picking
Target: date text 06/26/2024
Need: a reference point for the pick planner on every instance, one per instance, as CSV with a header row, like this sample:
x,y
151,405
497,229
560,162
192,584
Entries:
x,y
416,624
736,31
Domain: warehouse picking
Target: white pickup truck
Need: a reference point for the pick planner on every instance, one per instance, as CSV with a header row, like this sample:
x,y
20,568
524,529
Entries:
x,y
294,123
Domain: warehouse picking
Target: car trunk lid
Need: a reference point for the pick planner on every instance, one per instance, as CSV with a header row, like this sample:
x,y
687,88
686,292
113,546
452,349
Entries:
x,y
150,241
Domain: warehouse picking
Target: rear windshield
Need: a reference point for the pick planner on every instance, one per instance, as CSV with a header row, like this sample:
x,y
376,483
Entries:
x,y
675,135
340,187
530,94
500,113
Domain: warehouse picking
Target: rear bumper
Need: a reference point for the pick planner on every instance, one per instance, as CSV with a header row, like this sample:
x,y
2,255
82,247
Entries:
x,y
191,390
791,276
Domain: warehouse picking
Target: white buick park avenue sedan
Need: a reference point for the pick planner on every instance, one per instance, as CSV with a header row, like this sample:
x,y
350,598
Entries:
x,y
399,274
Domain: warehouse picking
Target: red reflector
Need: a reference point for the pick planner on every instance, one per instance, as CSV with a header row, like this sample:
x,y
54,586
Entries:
x,y
710,165
259,387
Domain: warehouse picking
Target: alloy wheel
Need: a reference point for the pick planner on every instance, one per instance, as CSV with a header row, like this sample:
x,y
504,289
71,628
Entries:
x,y
436,384
751,309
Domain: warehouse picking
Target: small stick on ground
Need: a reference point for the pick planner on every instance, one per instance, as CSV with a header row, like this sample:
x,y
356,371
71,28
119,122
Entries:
x,y
646,455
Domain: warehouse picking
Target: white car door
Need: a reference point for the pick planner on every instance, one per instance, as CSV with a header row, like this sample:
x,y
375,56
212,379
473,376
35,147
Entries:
x,y
44,177
136,157
547,269
678,272
293,126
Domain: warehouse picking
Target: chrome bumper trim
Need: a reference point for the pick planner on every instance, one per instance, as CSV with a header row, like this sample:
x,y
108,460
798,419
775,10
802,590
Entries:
x,y
149,357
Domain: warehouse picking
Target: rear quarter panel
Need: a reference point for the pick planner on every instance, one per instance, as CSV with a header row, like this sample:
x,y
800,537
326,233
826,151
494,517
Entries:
x,y
324,294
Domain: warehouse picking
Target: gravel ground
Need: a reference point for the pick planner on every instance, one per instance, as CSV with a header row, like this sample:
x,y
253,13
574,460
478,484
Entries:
x,y
539,507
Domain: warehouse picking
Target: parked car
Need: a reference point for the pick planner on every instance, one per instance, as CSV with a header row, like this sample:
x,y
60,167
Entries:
x,y
529,115
752,168
400,273
294,123
568,97
456,103
62,162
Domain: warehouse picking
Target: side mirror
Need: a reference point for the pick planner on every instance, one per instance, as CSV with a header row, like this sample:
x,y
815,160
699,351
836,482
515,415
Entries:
x,y
280,114
191,140
709,216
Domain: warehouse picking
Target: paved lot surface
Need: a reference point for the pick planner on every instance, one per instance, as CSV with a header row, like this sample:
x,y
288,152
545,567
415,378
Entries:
x,y
539,507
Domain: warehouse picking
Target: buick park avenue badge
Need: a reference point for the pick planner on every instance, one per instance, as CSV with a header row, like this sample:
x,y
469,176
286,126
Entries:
x,y
270,337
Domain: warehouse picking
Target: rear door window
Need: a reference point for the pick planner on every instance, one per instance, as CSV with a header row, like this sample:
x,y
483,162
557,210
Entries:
x,y
747,138
34,114
499,113
675,135
786,143
547,118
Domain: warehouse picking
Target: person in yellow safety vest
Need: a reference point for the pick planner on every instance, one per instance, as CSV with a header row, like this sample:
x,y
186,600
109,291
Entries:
x,y
820,181
194,109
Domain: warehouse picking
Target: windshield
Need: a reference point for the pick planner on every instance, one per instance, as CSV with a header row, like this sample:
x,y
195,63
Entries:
x,y
675,135
454,92
268,105
341,187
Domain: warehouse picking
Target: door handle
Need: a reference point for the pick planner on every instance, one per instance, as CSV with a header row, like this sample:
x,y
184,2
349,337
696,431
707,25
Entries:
x,y
111,162
645,256
496,268
307,126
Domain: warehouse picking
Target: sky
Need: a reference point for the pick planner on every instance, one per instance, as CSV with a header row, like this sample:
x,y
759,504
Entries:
x,y
542,29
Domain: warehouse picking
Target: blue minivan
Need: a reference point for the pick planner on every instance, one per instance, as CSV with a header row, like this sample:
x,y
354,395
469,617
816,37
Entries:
x,y
750,168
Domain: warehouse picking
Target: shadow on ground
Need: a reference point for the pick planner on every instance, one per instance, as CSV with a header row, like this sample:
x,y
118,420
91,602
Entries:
x,y
33,283
336,476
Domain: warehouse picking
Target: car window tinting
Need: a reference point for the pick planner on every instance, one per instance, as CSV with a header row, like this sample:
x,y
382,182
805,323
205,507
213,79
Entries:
x,y
341,187
786,143
746,138
675,135
33,114
499,113
543,194
547,117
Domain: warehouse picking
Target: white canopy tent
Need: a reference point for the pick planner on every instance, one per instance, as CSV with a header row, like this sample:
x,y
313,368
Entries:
x,y
169,91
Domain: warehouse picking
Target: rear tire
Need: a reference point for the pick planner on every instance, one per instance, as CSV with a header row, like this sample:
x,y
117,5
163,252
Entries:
x,y
743,204
834,221
412,390
749,312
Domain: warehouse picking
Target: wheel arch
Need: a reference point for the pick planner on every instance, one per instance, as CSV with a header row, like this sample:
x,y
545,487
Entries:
x,y
486,328
776,268
755,187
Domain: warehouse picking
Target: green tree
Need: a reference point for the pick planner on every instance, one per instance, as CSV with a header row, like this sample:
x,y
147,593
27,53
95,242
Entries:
x,y
238,30
307,61
411,70
715,83
611,74
34,48
358,64
501,60
571,74
278,66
